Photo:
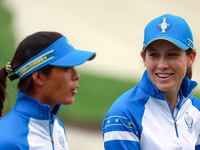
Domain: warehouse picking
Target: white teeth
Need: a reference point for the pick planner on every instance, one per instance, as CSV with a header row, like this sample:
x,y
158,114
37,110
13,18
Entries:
x,y
163,75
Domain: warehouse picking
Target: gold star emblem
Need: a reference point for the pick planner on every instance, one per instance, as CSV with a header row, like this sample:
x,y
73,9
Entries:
x,y
116,120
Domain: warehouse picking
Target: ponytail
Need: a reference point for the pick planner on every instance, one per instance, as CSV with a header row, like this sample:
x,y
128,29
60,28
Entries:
x,y
3,76
29,47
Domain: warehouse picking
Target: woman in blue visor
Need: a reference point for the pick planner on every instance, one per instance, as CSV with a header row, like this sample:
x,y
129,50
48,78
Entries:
x,y
44,63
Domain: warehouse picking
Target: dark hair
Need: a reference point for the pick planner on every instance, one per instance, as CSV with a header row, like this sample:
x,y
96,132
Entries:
x,y
189,69
29,47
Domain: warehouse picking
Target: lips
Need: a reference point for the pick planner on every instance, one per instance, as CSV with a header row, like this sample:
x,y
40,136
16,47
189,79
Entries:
x,y
161,75
74,91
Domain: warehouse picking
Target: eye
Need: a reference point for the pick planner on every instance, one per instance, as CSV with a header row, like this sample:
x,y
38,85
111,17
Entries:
x,y
66,68
153,54
173,54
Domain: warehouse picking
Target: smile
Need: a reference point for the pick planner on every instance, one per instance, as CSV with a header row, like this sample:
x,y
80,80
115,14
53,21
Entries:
x,y
163,75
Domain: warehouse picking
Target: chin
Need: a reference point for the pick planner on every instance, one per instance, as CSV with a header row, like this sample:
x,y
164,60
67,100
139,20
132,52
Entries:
x,y
68,101
164,88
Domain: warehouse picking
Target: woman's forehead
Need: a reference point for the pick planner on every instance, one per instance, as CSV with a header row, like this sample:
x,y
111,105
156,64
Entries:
x,y
162,44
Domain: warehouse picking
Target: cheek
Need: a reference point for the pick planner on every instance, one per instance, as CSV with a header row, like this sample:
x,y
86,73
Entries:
x,y
179,65
149,64
62,85
65,83
59,83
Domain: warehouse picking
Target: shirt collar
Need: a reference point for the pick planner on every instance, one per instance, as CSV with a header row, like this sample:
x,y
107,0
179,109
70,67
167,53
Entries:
x,y
147,85
31,107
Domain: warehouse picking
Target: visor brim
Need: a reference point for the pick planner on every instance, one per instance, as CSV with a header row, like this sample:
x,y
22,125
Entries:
x,y
74,58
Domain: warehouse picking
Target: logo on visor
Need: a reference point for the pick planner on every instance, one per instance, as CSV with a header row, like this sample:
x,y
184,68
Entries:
x,y
68,43
33,64
164,26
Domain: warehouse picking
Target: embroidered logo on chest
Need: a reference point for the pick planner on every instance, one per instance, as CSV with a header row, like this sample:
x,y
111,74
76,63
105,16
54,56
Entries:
x,y
61,139
189,122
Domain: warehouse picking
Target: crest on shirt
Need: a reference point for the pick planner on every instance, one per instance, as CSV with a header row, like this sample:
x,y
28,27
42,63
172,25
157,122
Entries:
x,y
164,26
189,122
61,139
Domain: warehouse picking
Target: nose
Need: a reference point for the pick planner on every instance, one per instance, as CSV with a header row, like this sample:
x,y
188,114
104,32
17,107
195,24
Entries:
x,y
162,64
76,75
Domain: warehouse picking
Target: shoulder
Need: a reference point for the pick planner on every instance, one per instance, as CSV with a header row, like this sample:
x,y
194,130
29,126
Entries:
x,y
127,111
133,99
13,131
13,120
195,102
59,123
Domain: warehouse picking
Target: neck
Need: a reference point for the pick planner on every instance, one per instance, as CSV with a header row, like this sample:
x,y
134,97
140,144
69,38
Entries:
x,y
40,97
171,98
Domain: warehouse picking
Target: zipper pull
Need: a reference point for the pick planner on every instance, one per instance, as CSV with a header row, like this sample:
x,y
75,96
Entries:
x,y
52,139
175,121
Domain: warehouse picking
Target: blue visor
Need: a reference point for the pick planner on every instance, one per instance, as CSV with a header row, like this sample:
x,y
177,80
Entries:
x,y
60,53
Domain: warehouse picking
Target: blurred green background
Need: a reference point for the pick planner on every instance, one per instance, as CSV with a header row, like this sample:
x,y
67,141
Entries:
x,y
95,94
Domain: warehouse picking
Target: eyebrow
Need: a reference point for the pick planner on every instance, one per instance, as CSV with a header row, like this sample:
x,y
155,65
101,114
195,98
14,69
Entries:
x,y
151,49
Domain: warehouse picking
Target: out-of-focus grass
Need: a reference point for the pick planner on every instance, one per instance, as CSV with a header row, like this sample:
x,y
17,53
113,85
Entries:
x,y
197,94
95,96
6,48
6,36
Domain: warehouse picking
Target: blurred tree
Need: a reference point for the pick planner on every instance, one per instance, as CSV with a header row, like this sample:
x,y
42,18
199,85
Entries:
x,y
6,35
7,51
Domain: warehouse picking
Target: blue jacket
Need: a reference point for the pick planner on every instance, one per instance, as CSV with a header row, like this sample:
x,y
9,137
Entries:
x,y
141,119
32,126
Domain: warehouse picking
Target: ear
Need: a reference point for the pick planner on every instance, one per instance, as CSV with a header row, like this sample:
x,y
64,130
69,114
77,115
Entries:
x,y
143,58
37,77
191,58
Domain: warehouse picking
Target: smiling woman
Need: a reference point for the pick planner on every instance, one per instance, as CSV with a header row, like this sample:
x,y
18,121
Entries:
x,y
159,112
44,63
166,67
